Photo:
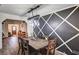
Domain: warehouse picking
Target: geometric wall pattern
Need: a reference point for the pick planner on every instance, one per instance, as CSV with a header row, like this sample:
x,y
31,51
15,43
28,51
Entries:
x,y
63,25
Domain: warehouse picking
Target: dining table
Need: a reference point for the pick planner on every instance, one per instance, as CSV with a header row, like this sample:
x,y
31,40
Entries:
x,y
37,43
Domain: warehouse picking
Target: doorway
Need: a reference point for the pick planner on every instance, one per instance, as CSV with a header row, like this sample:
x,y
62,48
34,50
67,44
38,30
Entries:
x,y
14,27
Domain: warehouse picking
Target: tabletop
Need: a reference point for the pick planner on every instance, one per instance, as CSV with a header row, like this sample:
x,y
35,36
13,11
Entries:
x,y
38,43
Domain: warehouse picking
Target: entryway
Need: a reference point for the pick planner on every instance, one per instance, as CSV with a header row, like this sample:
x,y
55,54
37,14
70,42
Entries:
x,y
11,30
14,27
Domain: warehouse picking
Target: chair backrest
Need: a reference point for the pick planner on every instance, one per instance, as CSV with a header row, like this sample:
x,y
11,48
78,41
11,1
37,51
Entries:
x,y
51,46
26,47
23,44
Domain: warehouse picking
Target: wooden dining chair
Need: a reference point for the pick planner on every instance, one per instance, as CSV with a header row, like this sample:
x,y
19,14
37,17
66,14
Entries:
x,y
20,45
23,46
51,46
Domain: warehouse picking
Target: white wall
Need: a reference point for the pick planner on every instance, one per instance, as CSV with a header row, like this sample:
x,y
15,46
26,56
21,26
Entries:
x,y
29,27
0,35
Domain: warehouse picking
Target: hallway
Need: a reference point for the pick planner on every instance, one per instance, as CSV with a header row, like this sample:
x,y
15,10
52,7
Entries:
x,y
10,46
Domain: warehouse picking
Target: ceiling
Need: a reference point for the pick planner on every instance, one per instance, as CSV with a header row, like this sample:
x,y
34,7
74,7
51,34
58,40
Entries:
x,y
20,9
17,9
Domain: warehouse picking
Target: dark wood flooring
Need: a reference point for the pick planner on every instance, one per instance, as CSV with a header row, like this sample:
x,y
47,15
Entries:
x,y
10,46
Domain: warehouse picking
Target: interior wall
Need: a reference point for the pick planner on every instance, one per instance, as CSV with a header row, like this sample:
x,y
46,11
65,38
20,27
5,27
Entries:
x,y
63,25
0,35
29,27
5,31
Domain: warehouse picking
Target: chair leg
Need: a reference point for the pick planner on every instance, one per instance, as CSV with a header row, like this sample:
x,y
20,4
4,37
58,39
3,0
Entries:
x,y
19,49
48,52
53,52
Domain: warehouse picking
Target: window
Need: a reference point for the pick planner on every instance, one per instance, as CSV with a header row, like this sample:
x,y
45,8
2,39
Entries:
x,y
13,28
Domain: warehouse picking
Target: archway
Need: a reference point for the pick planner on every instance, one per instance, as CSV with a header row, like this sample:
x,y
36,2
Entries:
x,y
13,27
